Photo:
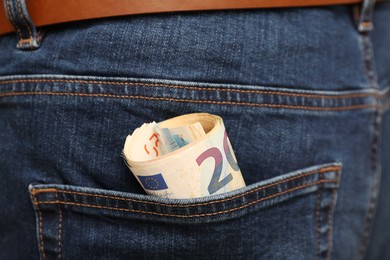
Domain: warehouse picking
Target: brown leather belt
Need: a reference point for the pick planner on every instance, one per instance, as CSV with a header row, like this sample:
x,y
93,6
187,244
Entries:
x,y
46,12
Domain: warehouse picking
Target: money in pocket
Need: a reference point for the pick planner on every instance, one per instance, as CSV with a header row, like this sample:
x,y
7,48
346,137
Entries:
x,y
187,156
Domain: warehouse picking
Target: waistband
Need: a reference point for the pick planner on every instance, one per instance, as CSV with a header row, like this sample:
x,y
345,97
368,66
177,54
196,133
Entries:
x,y
22,17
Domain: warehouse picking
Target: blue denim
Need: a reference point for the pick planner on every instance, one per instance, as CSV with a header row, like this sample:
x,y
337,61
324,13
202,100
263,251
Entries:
x,y
304,96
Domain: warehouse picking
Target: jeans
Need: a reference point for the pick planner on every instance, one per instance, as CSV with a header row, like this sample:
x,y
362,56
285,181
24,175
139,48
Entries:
x,y
303,94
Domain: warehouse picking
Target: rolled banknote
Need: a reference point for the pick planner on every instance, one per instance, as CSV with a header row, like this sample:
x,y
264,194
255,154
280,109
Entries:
x,y
187,156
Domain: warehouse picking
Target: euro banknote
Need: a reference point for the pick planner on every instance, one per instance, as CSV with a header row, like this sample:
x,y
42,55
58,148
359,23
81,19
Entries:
x,y
188,156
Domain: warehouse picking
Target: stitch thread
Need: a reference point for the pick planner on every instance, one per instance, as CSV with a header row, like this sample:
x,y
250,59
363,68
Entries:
x,y
24,41
355,95
23,19
191,215
322,170
35,191
42,246
366,24
351,107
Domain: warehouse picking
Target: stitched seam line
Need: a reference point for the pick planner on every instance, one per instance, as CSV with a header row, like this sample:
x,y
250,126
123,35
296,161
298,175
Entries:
x,y
323,170
373,197
24,41
41,246
368,57
330,225
11,19
357,95
23,19
196,101
318,220
59,228
190,215
60,233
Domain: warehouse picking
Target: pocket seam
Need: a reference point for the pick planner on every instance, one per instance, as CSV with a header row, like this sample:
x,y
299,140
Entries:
x,y
324,238
35,192
40,231
59,229
86,205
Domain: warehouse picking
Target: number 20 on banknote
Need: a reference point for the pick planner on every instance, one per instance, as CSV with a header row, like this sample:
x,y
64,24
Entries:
x,y
215,153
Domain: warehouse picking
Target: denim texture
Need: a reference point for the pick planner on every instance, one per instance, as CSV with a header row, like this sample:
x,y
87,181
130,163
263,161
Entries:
x,y
304,96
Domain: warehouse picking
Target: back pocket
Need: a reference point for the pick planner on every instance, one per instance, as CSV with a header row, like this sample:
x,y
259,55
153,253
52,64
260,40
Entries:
x,y
286,217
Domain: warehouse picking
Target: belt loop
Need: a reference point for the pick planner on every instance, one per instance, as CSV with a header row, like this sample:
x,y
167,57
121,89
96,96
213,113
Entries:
x,y
363,15
27,35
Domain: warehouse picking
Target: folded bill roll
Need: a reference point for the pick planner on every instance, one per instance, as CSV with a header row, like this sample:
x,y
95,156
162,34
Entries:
x,y
187,156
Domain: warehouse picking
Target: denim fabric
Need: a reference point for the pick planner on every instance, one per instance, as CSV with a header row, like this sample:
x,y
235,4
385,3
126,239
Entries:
x,y
303,94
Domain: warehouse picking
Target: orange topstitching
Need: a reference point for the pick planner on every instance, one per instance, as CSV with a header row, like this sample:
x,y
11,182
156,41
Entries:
x,y
42,246
351,107
322,170
23,19
189,215
345,96
10,17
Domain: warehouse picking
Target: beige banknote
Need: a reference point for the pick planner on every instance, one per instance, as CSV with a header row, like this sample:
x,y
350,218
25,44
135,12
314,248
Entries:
x,y
187,156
